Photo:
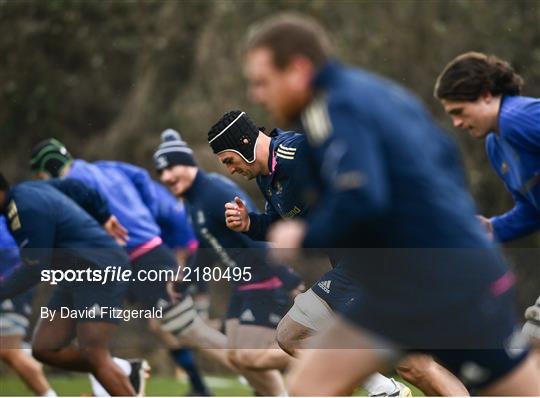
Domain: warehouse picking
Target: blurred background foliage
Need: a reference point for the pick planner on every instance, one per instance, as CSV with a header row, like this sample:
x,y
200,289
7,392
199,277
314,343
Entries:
x,y
106,77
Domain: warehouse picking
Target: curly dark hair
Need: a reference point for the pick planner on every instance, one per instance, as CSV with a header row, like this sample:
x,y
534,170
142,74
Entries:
x,y
472,74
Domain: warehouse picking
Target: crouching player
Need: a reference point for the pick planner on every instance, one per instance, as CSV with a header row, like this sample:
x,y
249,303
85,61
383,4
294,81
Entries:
x,y
481,93
41,218
14,314
279,164
259,300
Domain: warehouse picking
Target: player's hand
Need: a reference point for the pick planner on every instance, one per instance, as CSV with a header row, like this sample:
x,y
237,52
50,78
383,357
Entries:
x,y
236,215
116,230
286,239
488,226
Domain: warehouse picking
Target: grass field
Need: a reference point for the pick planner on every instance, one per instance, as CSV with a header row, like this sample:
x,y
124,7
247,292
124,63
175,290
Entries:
x,y
157,386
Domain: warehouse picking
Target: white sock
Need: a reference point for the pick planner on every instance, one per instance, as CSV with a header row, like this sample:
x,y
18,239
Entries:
x,y
97,389
123,364
49,393
378,384
283,394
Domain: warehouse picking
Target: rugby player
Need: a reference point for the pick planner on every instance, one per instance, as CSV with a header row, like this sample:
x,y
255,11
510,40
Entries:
x,y
45,222
260,299
133,199
481,93
390,179
278,163
14,320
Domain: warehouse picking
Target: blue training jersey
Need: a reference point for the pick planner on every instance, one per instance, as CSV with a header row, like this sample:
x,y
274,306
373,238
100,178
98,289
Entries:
x,y
130,193
9,251
205,201
392,178
42,218
282,188
176,231
514,153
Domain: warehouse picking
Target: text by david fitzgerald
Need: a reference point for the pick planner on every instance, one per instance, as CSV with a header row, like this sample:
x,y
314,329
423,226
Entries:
x,y
100,313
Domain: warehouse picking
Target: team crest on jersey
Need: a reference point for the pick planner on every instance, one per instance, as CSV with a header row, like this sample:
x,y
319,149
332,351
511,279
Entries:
x,y
316,120
504,168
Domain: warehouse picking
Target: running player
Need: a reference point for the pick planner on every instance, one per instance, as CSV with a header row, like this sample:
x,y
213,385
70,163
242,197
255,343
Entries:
x,y
481,93
41,218
14,320
391,179
278,162
259,300
133,199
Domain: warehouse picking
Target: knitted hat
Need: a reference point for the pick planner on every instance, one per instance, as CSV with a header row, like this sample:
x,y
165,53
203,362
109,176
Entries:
x,y
173,151
234,132
49,156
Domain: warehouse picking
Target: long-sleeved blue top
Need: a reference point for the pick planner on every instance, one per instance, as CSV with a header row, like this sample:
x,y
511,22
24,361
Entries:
x,y
130,192
9,252
205,201
176,231
41,218
514,153
391,178
282,188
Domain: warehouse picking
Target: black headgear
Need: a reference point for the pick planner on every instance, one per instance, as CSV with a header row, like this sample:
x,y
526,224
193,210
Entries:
x,y
173,151
234,132
49,156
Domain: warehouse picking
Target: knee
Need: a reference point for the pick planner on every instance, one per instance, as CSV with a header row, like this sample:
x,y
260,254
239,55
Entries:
x,y
414,370
43,355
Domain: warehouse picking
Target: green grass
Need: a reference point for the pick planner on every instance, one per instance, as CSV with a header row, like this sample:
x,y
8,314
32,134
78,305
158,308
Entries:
x,y
78,385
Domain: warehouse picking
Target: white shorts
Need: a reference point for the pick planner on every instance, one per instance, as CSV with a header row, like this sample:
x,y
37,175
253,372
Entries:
x,y
311,311
532,326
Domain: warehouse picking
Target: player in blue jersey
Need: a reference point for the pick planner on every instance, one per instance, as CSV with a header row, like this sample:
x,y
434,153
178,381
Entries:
x,y
278,162
259,298
481,93
390,179
52,230
14,320
134,199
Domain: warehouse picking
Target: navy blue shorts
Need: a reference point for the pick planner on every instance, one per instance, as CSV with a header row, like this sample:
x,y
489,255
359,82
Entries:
x,y
14,314
337,290
259,307
469,336
93,301
148,293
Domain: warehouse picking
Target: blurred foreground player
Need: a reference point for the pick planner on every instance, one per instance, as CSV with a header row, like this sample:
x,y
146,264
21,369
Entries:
x,y
481,93
391,179
45,223
278,163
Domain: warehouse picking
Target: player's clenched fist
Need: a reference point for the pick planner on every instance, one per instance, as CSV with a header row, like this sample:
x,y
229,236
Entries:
x,y
236,215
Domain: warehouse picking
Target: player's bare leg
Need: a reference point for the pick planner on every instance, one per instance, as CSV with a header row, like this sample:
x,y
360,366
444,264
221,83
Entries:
x,y
341,367
523,381
292,335
208,341
265,382
430,377
29,370
52,345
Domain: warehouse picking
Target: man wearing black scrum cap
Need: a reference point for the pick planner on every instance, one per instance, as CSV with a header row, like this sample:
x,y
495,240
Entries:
x,y
260,297
280,166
